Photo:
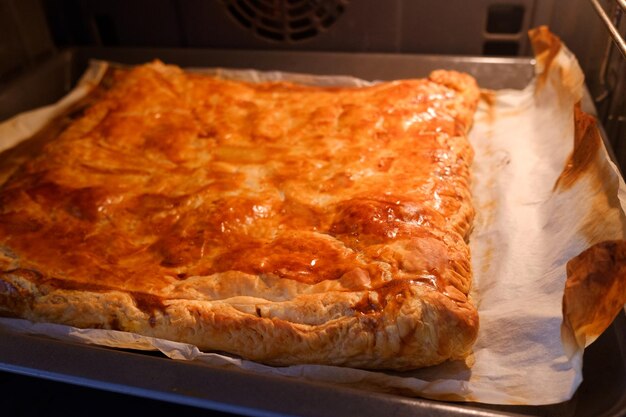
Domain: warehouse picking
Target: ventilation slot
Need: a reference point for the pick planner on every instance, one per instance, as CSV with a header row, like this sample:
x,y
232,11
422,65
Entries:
x,y
505,25
286,20
505,18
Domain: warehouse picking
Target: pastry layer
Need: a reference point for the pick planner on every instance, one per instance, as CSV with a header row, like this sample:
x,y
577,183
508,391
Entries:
x,y
279,222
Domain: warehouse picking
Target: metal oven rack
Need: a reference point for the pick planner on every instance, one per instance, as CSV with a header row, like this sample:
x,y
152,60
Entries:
x,y
610,99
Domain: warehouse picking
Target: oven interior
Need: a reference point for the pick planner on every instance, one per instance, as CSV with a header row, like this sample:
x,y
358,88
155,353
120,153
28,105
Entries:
x,y
46,44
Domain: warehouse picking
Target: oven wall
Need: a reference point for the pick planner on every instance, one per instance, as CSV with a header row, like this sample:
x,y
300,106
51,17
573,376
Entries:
x,y
422,26
25,39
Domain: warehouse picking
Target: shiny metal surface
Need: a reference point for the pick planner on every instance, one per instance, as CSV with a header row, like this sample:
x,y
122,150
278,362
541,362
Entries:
x,y
612,27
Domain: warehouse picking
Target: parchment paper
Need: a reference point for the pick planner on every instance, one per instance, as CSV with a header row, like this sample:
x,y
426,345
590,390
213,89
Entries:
x,y
526,230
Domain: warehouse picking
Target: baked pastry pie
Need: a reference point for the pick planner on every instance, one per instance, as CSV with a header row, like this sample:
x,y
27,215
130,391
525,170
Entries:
x,y
279,222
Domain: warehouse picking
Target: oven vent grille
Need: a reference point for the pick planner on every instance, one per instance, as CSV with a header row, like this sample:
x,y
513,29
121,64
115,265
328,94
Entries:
x,y
286,20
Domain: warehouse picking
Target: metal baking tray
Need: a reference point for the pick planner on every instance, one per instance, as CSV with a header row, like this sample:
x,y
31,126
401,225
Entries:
x,y
154,377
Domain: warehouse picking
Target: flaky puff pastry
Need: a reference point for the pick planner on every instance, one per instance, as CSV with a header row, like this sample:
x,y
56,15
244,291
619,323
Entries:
x,y
283,223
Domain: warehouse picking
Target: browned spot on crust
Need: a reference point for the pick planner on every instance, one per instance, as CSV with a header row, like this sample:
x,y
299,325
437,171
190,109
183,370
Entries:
x,y
147,302
366,305
395,290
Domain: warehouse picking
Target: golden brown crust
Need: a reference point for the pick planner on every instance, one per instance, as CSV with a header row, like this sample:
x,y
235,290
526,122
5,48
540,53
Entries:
x,y
284,223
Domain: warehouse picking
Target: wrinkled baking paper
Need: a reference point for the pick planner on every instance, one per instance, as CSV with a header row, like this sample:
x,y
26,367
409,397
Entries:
x,y
529,225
